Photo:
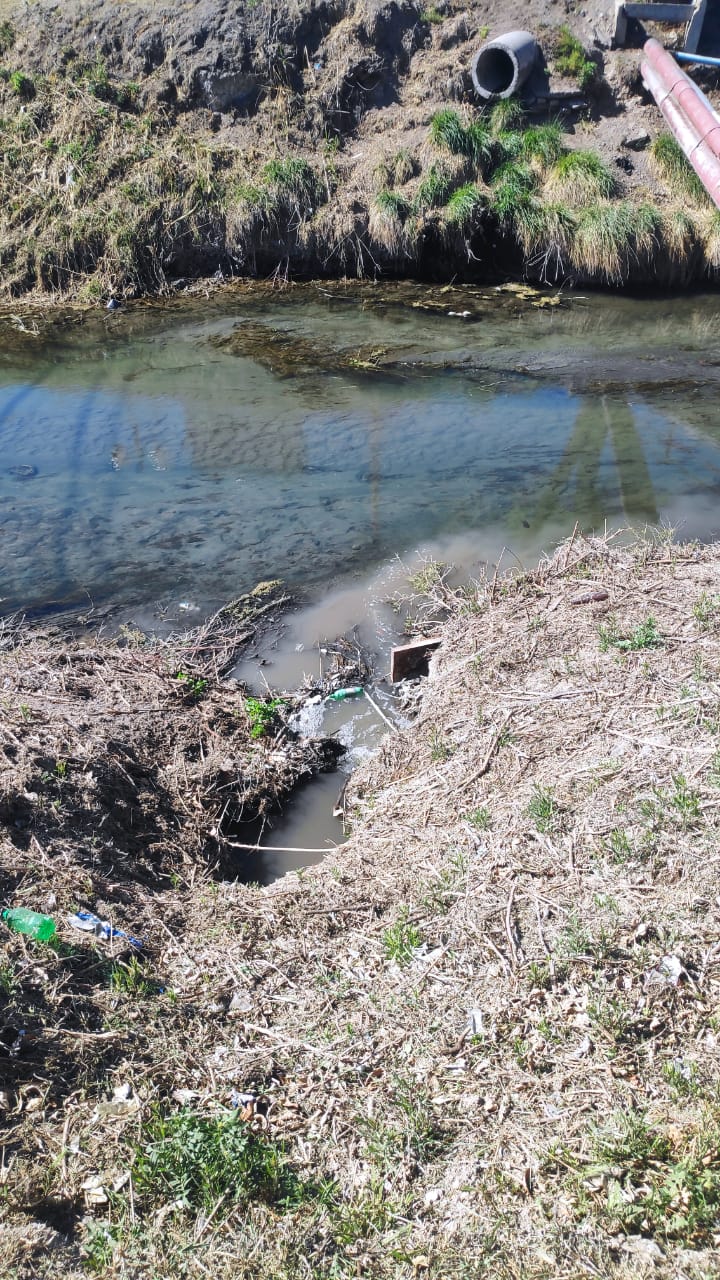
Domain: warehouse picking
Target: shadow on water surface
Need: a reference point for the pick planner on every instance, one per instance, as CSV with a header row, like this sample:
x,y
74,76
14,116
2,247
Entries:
x,y
180,466
599,422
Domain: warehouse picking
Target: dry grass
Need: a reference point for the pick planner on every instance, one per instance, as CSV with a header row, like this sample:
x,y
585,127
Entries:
x,y
484,1033
100,197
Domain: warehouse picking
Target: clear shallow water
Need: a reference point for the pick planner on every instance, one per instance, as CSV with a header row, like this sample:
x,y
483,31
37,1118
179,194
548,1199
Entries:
x,y
143,463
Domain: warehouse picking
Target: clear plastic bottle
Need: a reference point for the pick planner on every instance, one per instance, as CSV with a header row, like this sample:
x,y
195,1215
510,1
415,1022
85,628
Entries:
x,y
35,925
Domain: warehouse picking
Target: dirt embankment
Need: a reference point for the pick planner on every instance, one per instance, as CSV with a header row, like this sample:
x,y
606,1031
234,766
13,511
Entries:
x,y
144,145
480,1039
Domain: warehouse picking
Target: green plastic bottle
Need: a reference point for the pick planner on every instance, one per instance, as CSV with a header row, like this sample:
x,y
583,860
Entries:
x,y
341,694
35,925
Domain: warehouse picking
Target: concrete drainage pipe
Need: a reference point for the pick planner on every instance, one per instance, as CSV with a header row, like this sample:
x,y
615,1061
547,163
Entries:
x,y
503,65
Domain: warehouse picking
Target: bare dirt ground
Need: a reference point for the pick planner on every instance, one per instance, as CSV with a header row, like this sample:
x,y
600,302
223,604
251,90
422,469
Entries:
x,y
480,1039
375,70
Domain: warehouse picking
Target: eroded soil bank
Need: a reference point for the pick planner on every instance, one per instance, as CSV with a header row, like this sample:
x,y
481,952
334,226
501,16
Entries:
x,y
479,1039
144,146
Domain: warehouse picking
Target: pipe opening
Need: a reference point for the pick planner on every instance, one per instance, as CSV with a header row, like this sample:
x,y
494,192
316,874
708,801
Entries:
x,y
495,70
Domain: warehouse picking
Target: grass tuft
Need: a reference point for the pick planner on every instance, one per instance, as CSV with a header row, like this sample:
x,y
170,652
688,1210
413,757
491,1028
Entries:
x,y
676,171
603,242
22,86
543,809
392,204
511,183
505,116
508,146
434,188
581,177
402,166
129,978
543,144
679,235
401,940
666,1184
479,143
474,140
709,231
295,183
463,206
644,636
447,130
388,213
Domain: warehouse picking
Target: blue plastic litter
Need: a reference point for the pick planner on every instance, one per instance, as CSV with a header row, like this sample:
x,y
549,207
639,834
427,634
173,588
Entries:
x,y
90,923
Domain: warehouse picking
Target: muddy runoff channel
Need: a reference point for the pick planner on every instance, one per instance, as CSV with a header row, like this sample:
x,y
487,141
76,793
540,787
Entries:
x,y
161,459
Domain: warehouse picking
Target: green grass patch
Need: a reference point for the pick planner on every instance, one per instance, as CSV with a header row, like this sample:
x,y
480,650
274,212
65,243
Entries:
x,y
368,1216
574,939
434,189
543,144
506,115
448,131
543,809
659,1183
401,940
464,205
262,714
392,204
295,182
508,146
22,86
474,140
644,636
620,847
512,184
98,1247
706,611
198,1161
480,819
572,60
194,687
677,805
128,977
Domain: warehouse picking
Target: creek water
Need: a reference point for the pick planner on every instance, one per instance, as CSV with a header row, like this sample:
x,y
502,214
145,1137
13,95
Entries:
x,y
164,459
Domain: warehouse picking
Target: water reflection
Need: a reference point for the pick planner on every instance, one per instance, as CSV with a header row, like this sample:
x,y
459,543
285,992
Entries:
x,y
599,423
170,467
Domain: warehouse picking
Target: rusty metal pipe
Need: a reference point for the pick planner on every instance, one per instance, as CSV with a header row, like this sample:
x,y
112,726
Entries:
x,y
697,149
699,116
687,94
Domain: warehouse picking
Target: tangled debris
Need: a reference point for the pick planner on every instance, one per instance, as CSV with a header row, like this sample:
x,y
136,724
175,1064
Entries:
x,y
480,1039
136,760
